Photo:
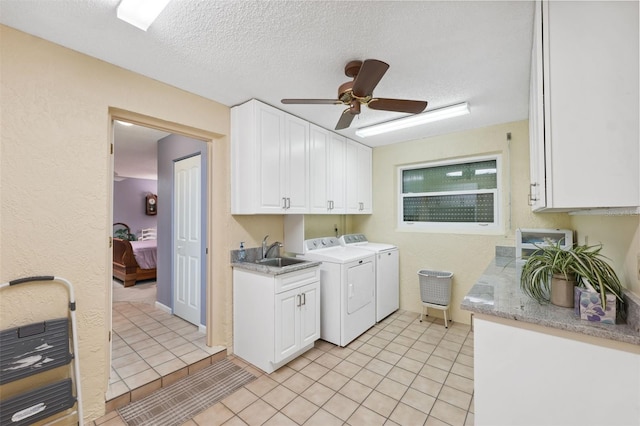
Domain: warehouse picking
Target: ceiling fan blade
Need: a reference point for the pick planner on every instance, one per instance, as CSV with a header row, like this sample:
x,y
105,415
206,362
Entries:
x,y
345,119
312,101
398,105
368,77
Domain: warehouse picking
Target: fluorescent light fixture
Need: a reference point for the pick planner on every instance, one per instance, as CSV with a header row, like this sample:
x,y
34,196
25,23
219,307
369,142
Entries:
x,y
140,13
486,171
458,173
415,120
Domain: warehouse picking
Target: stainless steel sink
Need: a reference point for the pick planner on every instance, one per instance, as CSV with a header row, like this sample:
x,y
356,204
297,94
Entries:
x,y
280,262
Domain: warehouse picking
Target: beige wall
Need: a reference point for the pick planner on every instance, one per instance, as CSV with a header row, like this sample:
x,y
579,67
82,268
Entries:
x,y
55,193
620,239
466,255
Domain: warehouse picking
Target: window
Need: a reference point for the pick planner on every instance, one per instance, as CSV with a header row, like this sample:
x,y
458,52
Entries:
x,y
450,195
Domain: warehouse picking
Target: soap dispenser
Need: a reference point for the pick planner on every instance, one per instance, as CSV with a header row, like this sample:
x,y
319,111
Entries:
x,y
242,255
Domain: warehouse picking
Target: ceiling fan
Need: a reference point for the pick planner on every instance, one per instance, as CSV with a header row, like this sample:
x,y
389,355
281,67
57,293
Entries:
x,y
366,76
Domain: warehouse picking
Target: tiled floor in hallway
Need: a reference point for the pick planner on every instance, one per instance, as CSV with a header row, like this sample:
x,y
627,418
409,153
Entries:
x,y
400,372
150,345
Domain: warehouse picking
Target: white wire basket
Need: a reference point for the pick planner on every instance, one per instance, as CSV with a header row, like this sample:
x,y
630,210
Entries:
x,y
435,287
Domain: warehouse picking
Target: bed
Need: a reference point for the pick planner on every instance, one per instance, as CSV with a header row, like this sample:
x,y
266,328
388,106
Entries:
x,y
134,260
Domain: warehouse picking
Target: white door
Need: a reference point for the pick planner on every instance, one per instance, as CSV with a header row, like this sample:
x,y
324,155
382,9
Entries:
x,y
187,239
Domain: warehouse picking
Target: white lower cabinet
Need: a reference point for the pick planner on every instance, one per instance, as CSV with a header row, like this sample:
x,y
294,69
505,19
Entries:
x,y
297,323
531,375
275,317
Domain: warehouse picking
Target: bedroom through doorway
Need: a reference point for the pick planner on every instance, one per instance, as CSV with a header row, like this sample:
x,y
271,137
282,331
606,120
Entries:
x,y
148,340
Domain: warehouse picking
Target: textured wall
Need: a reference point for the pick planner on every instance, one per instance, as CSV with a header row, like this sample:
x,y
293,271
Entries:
x,y
129,202
56,177
466,255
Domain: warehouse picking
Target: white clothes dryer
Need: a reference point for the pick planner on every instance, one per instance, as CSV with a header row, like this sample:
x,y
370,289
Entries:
x,y
387,272
347,289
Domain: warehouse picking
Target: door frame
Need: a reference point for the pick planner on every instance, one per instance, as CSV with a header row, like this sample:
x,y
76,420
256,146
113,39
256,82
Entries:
x,y
174,128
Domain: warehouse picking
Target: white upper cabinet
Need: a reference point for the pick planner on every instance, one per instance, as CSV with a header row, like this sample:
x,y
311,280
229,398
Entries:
x,y
327,171
584,125
358,171
269,157
281,164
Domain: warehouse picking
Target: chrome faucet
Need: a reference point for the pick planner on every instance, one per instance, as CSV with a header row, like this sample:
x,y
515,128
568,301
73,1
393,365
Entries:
x,y
264,246
266,250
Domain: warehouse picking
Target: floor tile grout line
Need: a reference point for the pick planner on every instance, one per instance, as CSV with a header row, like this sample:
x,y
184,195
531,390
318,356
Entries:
x,y
411,338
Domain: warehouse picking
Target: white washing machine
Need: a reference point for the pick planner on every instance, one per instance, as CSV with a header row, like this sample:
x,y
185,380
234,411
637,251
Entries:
x,y
347,289
387,272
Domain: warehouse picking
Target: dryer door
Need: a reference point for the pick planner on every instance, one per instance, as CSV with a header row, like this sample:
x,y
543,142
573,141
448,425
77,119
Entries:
x,y
360,284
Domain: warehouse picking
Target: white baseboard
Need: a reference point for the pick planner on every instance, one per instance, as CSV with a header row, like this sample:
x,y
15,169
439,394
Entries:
x,y
164,308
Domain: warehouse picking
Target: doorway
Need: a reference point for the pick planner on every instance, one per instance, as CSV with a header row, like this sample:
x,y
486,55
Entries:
x,y
180,338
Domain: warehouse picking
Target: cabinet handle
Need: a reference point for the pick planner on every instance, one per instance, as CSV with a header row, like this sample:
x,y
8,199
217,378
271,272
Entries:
x,y
304,298
284,203
298,300
361,206
531,188
288,203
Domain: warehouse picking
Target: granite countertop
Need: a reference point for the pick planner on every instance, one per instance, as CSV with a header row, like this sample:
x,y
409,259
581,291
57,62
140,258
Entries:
x,y
274,270
497,293
255,253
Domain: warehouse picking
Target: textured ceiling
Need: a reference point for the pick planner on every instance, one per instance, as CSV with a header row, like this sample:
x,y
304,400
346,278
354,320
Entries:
x,y
232,51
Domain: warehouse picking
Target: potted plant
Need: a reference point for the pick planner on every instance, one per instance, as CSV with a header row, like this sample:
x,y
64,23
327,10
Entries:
x,y
551,272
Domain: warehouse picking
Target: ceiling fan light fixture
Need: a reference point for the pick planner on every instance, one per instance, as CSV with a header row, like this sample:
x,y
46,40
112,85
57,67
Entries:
x,y
415,120
140,13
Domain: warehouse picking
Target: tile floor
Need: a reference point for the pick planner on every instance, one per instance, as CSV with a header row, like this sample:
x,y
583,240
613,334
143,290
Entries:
x,y
400,372
151,346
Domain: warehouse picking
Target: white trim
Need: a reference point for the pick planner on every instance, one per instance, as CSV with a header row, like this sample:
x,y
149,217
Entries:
x,y
164,308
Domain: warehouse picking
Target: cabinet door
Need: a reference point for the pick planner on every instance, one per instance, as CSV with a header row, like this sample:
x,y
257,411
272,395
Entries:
x,y
295,165
310,314
364,180
318,156
287,324
357,178
537,188
336,176
352,202
269,134
591,104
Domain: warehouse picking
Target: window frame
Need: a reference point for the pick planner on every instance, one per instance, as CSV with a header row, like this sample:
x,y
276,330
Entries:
x,y
453,227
